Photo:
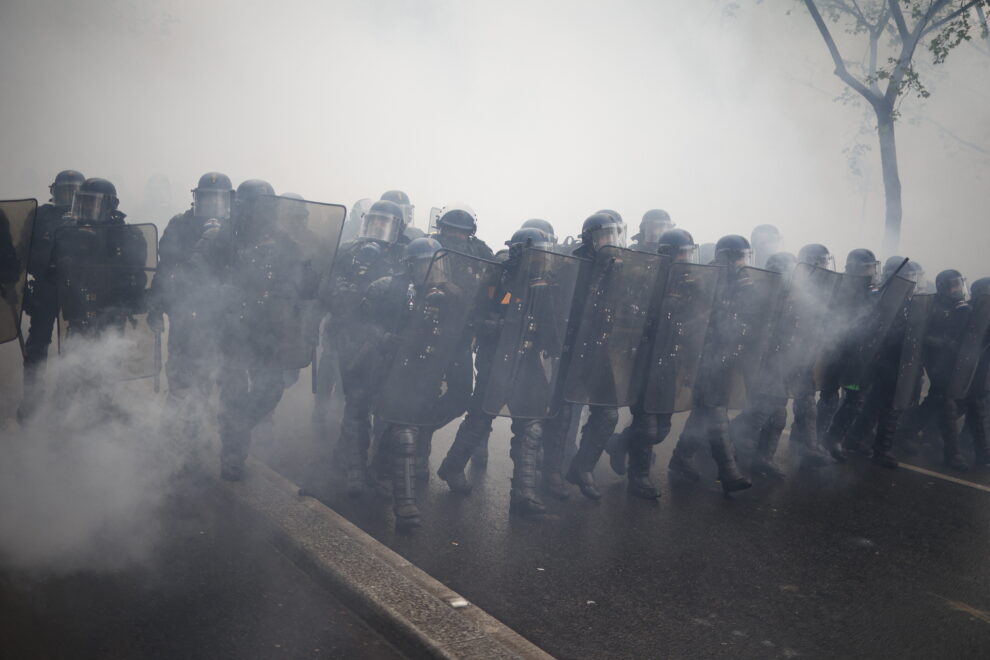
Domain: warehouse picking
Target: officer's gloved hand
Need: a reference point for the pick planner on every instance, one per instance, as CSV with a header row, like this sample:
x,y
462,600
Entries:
x,y
156,322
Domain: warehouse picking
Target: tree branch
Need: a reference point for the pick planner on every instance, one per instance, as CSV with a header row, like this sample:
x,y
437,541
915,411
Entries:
x,y
840,66
895,11
952,16
908,47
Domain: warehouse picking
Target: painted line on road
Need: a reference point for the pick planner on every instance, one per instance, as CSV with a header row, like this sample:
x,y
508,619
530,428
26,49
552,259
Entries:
x,y
945,477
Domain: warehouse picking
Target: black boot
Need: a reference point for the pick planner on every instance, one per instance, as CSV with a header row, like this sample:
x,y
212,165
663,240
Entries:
x,y
355,436
473,430
596,432
552,481
681,462
617,449
728,472
404,478
888,424
479,458
525,448
766,448
640,458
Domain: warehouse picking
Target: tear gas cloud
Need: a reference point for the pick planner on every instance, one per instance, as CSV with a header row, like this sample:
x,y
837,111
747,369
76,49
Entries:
x,y
552,109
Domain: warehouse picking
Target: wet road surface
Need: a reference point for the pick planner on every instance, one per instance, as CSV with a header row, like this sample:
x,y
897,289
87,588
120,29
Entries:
x,y
213,589
850,562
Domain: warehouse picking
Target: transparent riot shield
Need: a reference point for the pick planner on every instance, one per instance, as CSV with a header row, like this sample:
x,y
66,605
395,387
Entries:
x,y
971,347
679,340
872,329
525,374
16,226
609,343
911,364
103,275
435,344
738,334
797,331
281,262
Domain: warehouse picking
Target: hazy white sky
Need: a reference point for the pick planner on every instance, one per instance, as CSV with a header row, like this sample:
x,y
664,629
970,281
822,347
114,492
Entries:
x,y
520,109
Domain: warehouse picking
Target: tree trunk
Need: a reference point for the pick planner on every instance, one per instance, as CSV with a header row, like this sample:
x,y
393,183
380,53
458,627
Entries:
x,y
891,182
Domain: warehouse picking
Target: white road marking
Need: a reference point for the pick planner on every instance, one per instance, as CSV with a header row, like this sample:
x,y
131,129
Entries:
x,y
945,477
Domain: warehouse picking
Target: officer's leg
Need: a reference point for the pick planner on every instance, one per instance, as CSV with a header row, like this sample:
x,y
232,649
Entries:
x,y
554,437
617,449
717,426
424,447
769,439
947,417
44,312
681,461
978,423
235,434
527,437
861,431
403,454
474,428
355,432
596,432
645,431
850,408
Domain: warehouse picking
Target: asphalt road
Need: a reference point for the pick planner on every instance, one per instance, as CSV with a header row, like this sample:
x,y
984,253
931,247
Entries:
x,y
213,589
850,562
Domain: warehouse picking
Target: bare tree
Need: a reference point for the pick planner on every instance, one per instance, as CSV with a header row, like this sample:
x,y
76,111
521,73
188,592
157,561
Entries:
x,y
893,30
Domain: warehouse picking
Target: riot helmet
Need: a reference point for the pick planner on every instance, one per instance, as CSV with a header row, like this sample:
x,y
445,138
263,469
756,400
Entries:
x,y
417,257
383,222
458,217
66,183
603,229
981,287
94,202
212,196
678,245
782,262
543,226
816,254
766,240
951,285
614,214
863,263
733,250
402,200
914,272
249,190
653,225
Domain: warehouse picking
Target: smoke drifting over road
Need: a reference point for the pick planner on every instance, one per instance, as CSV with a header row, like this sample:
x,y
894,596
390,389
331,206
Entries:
x,y
522,110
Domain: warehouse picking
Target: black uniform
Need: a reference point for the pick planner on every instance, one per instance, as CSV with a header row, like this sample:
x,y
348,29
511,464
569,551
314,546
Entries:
x,y
41,303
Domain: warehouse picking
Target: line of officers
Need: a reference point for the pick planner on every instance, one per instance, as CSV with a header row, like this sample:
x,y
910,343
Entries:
x,y
419,331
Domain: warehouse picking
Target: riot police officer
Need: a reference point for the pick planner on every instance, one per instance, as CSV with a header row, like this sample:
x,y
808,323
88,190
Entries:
x,y
41,298
102,276
456,227
602,229
949,317
542,225
978,401
766,240
844,337
709,417
374,254
653,225
185,288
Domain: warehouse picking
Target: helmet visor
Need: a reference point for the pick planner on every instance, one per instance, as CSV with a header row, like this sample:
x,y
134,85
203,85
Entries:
x,y
687,254
734,257
211,204
90,206
380,227
614,235
62,193
869,269
652,231
826,261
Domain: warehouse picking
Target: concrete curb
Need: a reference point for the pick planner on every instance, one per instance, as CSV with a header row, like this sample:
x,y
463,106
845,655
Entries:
x,y
416,613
